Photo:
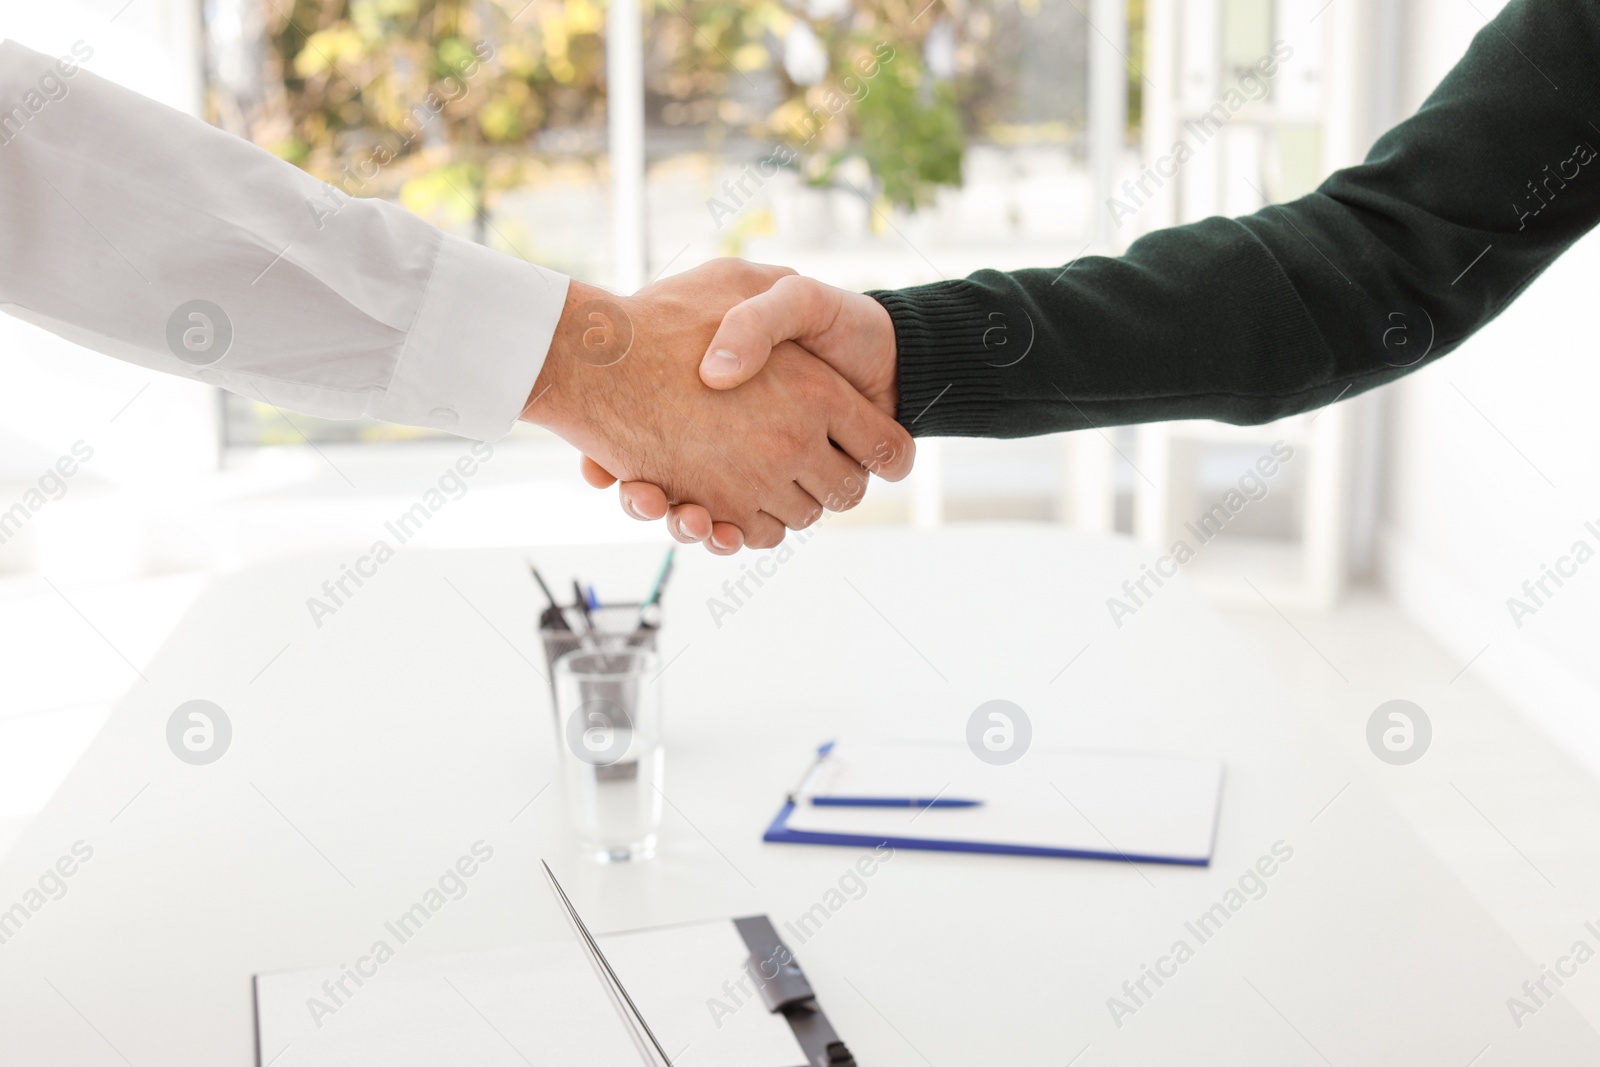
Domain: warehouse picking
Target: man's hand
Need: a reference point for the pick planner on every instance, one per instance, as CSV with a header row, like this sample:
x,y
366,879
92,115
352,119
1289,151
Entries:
x,y
620,383
851,332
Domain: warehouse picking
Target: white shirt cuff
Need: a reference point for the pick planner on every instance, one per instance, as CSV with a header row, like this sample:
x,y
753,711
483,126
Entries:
x,y
477,344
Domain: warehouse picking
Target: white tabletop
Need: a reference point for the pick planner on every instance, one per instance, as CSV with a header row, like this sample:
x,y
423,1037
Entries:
x,y
371,752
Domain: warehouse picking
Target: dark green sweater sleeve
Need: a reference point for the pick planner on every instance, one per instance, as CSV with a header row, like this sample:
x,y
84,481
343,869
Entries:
x,y
1385,268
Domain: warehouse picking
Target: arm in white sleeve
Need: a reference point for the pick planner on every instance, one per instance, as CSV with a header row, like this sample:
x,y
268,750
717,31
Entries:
x,y
146,234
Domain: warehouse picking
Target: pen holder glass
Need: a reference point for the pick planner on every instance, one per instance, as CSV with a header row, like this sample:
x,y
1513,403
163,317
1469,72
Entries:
x,y
608,704
613,627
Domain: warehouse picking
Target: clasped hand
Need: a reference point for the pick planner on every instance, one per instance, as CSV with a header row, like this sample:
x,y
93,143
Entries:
x,y
735,400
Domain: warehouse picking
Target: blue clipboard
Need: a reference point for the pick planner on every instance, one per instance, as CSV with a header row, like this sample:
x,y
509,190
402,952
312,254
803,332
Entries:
x,y
778,832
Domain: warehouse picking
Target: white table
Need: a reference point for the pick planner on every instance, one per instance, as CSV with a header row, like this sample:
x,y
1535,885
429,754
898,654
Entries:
x,y
370,753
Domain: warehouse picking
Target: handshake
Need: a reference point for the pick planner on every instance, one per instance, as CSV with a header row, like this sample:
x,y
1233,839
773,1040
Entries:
x,y
736,400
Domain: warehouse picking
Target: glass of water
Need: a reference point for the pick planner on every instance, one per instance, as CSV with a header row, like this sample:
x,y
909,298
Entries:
x,y
608,713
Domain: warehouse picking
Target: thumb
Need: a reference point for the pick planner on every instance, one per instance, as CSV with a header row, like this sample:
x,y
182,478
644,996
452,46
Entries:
x,y
794,309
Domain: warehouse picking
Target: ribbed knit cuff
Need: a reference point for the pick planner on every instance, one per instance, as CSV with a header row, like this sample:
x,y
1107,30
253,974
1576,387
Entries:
x,y
950,351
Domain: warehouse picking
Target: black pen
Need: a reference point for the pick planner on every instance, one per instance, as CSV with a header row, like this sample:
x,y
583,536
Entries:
x,y
552,617
583,606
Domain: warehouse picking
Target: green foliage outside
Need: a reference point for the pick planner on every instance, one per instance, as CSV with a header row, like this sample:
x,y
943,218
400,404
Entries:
x,y
445,105
345,83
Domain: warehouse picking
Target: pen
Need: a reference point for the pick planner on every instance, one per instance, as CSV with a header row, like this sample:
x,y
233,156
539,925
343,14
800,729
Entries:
x,y
893,802
823,751
650,608
552,617
660,583
548,595
583,605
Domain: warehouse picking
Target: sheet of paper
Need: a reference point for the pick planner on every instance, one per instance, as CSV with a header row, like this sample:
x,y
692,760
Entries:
x,y
1113,803
689,981
539,1003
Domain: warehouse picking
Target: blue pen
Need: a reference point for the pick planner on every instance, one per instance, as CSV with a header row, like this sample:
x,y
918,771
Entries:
x,y
893,802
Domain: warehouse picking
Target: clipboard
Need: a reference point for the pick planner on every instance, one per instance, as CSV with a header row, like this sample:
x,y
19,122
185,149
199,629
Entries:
x,y
777,990
1071,804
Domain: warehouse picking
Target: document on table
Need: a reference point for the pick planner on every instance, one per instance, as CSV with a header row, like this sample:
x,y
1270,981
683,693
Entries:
x,y
1065,802
539,1003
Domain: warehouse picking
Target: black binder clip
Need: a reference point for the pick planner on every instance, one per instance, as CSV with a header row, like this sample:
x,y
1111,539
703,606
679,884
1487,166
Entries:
x,y
784,989
779,979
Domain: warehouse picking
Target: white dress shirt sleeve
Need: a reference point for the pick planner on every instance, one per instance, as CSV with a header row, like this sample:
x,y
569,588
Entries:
x,y
146,234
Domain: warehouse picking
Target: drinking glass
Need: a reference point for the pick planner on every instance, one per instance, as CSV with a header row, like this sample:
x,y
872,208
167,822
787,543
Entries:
x,y
608,716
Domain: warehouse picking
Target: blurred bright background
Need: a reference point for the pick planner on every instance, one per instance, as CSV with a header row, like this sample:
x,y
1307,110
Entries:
x,y
872,143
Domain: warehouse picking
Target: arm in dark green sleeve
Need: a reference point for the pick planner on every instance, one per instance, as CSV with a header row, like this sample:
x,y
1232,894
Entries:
x,y
1385,268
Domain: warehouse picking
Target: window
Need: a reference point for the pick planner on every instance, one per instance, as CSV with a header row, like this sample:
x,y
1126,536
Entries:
x,y
870,143
487,119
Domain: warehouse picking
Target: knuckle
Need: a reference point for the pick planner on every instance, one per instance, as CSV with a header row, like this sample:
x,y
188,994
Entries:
x,y
796,291
814,388
768,273
812,298
855,487
790,445
893,457
751,522
848,493
809,520
762,531
742,318
747,275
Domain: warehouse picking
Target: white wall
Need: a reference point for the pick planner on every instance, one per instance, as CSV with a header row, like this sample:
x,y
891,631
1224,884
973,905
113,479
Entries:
x,y
1480,499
